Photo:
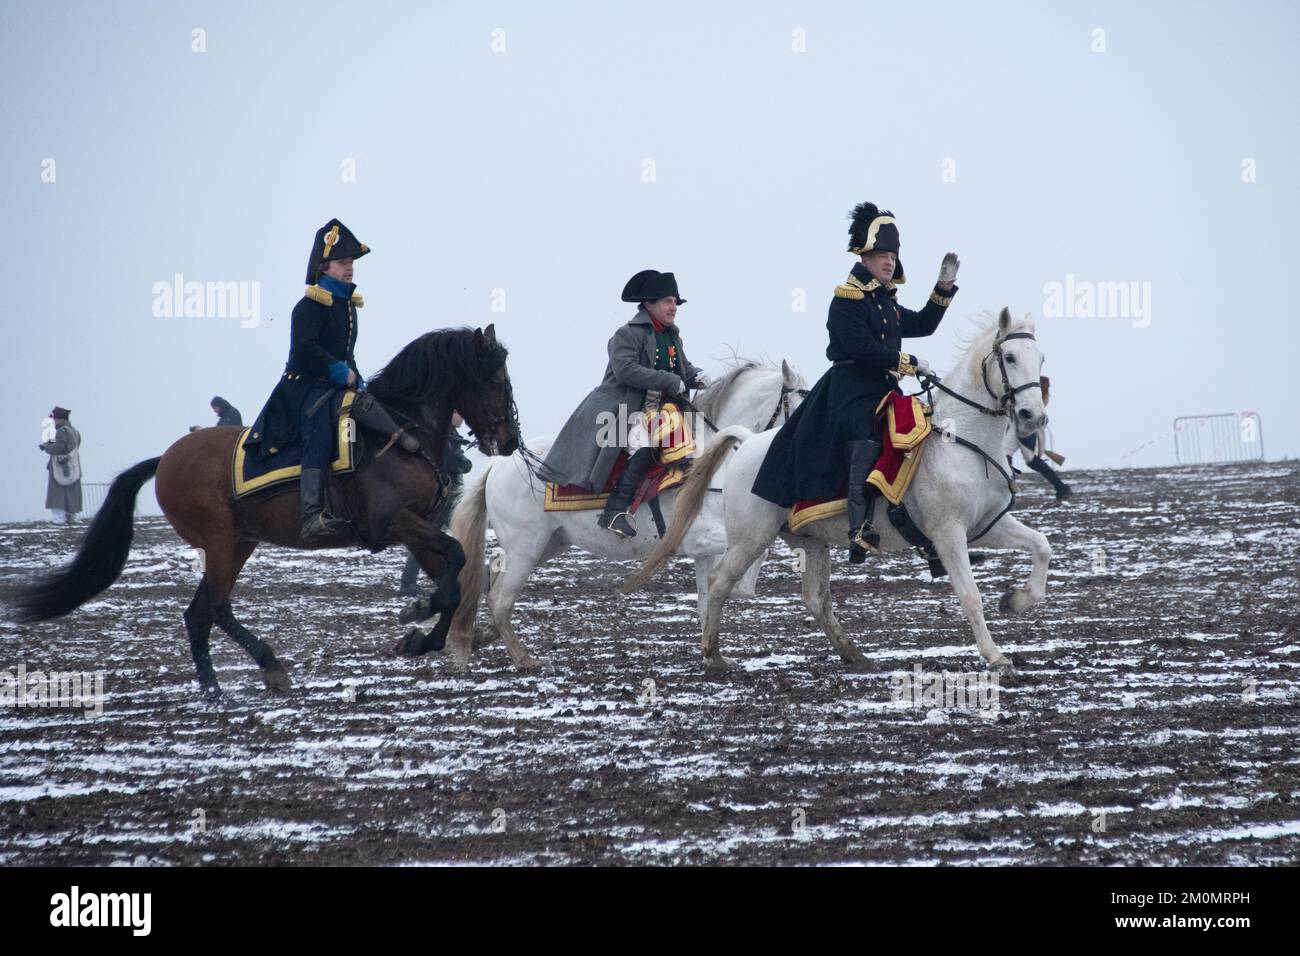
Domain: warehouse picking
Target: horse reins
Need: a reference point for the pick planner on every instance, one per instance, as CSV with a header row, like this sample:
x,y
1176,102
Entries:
x,y
1006,406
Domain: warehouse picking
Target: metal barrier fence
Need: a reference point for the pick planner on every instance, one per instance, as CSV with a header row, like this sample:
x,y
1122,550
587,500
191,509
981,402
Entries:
x,y
92,497
1213,439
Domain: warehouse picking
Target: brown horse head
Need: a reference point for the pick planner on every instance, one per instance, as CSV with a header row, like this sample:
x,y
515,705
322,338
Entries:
x,y
454,369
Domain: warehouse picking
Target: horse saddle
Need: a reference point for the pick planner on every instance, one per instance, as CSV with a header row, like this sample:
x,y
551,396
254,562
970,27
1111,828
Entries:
x,y
905,425
251,473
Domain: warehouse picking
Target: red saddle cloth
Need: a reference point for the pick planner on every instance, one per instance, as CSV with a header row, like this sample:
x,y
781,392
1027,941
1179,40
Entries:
x,y
904,423
659,478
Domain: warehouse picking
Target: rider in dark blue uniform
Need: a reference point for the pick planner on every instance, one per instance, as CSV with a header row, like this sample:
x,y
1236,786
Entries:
x,y
321,360
832,435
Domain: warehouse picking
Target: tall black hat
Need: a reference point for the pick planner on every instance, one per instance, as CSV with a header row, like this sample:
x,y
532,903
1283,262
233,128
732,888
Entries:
x,y
871,230
333,241
649,284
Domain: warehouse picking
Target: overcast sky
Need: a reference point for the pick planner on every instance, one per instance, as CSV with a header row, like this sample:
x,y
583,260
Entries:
x,y
515,163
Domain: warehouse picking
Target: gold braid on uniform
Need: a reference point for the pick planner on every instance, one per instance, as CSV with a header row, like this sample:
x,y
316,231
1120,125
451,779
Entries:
x,y
905,366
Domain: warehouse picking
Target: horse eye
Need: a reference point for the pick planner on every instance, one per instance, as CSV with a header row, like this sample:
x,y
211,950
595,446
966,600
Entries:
x,y
1011,360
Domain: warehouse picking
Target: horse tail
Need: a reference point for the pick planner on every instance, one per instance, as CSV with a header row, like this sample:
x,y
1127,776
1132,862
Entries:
x,y
469,527
100,558
689,502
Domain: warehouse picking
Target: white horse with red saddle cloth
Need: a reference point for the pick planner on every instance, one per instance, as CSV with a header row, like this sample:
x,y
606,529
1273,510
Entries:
x,y
512,500
959,492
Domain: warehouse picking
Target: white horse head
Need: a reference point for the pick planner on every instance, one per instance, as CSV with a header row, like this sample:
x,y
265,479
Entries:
x,y
1004,362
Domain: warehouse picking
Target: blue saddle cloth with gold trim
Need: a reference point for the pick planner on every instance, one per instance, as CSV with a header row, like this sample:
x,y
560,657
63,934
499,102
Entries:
x,y
251,474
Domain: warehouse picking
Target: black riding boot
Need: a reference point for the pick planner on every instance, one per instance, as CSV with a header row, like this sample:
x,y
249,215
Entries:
x,y
370,414
862,457
615,517
1048,472
316,522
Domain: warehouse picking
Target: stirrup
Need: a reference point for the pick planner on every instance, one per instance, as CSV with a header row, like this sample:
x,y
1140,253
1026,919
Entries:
x,y
866,540
621,523
322,525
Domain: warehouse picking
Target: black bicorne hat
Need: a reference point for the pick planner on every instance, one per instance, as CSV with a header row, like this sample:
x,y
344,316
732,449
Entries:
x,y
649,284
871,230
333,241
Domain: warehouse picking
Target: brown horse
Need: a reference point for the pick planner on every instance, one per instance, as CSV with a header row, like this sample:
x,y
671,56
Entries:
x,y
392,497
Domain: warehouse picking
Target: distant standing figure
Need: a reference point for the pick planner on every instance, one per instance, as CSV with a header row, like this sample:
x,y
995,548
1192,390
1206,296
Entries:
x,y
457,466
227,414
63,492
1032,450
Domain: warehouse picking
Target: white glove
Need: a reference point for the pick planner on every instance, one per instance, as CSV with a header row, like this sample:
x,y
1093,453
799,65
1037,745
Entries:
x,y
948,269
922,367
679,388
702,380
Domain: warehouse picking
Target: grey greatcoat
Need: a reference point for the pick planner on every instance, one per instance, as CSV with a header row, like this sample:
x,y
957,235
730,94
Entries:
x,y
62,497
577,456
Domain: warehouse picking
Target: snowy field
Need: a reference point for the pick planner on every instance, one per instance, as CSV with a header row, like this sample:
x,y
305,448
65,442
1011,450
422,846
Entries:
x,y
1153,716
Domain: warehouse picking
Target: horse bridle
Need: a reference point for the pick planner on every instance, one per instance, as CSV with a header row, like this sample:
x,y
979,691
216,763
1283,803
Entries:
x,y
783,404
1007,400
1006,406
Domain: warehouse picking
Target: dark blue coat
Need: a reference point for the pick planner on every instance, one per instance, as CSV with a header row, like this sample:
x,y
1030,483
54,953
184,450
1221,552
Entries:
x,y
323,334
809,457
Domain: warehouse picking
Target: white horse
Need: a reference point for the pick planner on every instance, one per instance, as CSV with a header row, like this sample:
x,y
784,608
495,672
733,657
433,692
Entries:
x,y
509,497
959,488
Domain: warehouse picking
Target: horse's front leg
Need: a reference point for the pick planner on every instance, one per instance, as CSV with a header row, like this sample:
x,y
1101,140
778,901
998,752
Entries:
x,y
951,546
1010,533
442,557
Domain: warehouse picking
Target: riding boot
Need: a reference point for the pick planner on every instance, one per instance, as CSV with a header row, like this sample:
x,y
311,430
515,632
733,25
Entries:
x,y
316,521
862,457
368,413
1048,472
615,517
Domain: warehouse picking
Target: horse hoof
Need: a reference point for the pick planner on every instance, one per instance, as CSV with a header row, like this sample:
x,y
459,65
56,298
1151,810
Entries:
x,y
409,645
531,665
1005,603
1003,667
277,682
718,665
416,611
211,692
856,665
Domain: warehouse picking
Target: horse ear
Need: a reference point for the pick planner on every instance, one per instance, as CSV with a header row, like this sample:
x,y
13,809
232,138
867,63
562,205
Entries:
x,y
787,376
1004,320
478,340
490,333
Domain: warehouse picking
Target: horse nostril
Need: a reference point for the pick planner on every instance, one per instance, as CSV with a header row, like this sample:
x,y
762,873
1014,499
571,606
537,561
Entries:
x,y
1025,414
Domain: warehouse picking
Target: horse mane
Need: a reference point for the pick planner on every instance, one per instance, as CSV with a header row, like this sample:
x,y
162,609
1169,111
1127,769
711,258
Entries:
x,y
426,368
709,402
974,345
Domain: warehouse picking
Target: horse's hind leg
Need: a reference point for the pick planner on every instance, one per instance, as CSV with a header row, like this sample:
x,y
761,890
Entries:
x,y
817,598
1011,533
730,569
198,625
506,585
222,570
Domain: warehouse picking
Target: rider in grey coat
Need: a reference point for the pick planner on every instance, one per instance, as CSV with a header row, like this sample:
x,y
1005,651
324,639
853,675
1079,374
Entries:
x,y
584,454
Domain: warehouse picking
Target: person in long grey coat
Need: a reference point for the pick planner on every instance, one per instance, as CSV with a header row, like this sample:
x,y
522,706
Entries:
x,y
647,366
63,490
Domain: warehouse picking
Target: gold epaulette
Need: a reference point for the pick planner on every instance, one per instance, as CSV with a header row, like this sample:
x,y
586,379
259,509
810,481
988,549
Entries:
x,y
848,292
317,294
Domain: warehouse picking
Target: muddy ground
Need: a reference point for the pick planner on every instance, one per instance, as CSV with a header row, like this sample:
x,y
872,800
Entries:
x,y
1152,719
